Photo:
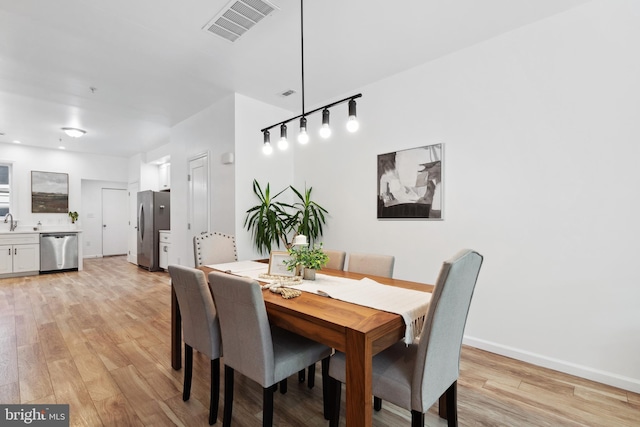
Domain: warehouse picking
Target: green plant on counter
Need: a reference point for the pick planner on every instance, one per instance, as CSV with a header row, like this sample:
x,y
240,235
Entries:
x,y
312,258
74,216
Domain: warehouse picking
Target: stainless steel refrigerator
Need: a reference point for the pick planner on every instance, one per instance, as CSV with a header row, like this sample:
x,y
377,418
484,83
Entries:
x,y
154,214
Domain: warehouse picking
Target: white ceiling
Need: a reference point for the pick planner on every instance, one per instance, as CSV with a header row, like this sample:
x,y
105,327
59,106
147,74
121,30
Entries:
x,y
153,66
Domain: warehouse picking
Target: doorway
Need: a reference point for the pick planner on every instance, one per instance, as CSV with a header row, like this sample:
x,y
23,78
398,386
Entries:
x,y
198,196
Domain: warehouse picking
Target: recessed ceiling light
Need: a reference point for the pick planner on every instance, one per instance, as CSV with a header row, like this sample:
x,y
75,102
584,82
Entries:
x,y
15,141
61,148
74,132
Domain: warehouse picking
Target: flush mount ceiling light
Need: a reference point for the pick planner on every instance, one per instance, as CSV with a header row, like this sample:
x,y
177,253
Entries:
x,y
74,132
325,130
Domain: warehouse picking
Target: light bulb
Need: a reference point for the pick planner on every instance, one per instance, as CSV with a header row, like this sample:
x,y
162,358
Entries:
x,y
325,131
352,124
303,137
283,144
267,149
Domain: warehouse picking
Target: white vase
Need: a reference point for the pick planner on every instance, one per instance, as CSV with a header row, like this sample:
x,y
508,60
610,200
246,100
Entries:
x,y
309,274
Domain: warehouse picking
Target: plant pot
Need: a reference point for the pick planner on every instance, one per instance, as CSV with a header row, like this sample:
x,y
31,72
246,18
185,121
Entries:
x,y
309,274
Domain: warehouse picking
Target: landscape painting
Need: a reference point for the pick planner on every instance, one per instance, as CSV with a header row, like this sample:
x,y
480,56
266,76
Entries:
x,y
49,192
410,183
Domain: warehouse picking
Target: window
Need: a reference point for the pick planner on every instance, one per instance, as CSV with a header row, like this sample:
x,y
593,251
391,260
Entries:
x,y
5,189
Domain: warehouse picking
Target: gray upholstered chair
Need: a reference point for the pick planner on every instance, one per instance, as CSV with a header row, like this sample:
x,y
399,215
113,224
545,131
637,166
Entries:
x,y
377,265
336,259
214,248
265,354
415,376
200,327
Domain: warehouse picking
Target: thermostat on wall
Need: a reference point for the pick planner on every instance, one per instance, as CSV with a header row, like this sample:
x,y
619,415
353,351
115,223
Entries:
x,y
227,158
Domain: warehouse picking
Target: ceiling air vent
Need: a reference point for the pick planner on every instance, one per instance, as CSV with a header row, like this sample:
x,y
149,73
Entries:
x,y
237,17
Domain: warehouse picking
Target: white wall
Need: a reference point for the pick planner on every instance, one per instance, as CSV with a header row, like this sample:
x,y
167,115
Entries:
x,y
275,170
79,166
212,131
540,128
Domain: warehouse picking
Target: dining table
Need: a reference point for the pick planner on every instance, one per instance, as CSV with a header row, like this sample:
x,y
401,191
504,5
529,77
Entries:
x,y
359,332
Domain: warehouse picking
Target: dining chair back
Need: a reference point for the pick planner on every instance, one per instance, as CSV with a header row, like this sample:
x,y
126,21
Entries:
x,y
200,327
265,354
336,259
376,265
214,248
415,376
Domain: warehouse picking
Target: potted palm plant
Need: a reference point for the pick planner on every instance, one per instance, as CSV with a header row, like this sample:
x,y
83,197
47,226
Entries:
x,y
308,216
268,221
271,222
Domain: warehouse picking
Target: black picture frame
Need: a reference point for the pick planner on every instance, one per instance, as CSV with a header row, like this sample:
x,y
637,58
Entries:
x,y
410,183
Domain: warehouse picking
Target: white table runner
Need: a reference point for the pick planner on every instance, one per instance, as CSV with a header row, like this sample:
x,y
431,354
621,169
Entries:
x,y
412,305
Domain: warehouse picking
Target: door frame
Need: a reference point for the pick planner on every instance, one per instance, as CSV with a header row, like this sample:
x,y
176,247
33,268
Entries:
x,y
132,253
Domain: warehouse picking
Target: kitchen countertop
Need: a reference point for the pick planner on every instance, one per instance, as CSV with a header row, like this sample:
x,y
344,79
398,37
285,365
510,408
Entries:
x,y
30,230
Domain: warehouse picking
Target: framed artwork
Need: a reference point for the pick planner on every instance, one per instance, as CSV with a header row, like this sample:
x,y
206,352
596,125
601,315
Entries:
x,y
410,183
277,267
49,192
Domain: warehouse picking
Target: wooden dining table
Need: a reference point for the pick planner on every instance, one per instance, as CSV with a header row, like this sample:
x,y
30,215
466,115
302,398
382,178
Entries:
x,y
357,331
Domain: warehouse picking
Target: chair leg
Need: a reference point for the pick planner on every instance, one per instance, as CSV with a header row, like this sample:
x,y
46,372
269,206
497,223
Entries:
x,y
228,396
215,391
283,386
417,419
188,369
335,410
312,376
326,388
267,406
301,375
452,405
377,403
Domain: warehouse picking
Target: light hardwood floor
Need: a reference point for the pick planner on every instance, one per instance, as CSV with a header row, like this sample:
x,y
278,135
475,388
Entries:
x,y
99,340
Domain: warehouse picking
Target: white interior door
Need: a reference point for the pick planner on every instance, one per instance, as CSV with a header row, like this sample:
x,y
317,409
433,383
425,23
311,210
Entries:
x,y
132,193
198,195
115,221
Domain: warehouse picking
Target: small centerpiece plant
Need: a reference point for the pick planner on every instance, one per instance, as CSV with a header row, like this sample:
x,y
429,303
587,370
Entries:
x,y
308,258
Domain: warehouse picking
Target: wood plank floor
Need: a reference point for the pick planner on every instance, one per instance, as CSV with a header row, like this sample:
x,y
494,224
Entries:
x,y
99,340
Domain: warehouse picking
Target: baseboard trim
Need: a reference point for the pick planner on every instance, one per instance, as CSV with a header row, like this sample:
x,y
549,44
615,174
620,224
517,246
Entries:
x,y
597,375
91,256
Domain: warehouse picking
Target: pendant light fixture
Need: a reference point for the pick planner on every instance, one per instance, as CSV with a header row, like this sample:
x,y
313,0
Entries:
x,y
325,130
283,143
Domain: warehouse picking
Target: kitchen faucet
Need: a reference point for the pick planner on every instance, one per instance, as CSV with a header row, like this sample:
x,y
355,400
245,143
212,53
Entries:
x,y
13,224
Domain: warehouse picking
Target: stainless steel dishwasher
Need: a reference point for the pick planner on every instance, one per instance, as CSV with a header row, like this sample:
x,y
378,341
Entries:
x,y
58,251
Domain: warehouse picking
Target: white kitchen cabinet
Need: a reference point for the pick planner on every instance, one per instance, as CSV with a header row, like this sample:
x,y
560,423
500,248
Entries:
x,y
19,254
165,248
6,259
